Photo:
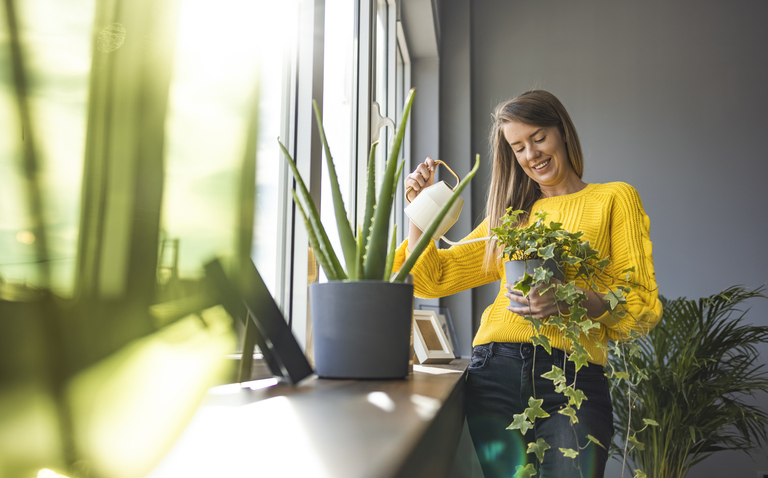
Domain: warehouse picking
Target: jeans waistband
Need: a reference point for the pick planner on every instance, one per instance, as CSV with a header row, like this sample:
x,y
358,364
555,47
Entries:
x,y
521,350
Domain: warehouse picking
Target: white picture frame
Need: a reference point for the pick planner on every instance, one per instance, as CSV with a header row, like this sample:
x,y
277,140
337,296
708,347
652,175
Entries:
x,y
430,343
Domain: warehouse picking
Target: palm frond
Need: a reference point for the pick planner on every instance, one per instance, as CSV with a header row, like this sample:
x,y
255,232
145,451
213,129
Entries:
x,y
702,367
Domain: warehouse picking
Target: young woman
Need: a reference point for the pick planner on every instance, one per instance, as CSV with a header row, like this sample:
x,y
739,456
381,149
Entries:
x,y
538,166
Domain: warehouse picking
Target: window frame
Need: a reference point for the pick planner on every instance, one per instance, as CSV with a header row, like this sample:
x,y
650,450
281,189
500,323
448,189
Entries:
x,y
304,78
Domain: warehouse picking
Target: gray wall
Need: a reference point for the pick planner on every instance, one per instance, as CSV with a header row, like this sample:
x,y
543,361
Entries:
x,y
670,97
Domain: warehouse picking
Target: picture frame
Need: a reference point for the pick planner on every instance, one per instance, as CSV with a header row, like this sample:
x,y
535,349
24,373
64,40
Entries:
x,y
444,316
430,343
249,297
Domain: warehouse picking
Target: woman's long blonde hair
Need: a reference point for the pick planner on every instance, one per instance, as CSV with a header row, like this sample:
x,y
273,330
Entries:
x,y
510,186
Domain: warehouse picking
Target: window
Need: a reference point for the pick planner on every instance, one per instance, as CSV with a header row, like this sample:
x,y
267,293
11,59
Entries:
x,y
56,42
339,108
208,121
209,124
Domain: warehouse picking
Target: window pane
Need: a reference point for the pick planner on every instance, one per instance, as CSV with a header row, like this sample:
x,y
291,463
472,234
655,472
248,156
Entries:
x,y
208,127
217,57
56,42
381,84
277,41
339,109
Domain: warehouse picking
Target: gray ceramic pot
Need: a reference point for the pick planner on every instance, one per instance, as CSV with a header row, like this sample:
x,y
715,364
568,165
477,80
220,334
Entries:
x,y
361,330
515,269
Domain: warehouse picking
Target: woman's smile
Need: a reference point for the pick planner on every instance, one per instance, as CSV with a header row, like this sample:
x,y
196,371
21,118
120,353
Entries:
x,y
540,166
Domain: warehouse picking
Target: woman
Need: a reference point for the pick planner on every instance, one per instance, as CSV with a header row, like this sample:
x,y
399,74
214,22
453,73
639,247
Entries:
x,y
537,166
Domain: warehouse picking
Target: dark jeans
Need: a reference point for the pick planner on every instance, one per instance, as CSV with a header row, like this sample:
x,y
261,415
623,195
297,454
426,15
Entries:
x,y
501,378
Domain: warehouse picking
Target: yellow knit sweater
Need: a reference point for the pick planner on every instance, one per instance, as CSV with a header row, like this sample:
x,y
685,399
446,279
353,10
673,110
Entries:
x,y
613,221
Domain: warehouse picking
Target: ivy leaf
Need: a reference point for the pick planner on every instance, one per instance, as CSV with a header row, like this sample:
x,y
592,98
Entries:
x,y
521,423
633,348
603,263
539,448
587,325
556,375
637,443
572,260
558,322
621,375
595,441
639,474
567,292
653,423
542,276
524,285
572,335
615,297
547,252
569,452
526,472
543,341
633,334
575,396
556,226
569,412
579,349
534,409
577,313
536,323
550,286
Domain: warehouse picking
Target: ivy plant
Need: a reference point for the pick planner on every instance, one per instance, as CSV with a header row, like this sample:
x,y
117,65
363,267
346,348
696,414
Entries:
x,y
550,241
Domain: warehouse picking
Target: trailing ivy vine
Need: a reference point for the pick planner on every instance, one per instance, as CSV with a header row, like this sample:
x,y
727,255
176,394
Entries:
x,y
550,241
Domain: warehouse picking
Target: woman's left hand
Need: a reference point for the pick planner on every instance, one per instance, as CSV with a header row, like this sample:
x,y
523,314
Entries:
x,y
538,306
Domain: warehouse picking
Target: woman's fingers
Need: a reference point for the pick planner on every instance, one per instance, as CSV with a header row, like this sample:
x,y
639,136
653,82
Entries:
x,y
420,178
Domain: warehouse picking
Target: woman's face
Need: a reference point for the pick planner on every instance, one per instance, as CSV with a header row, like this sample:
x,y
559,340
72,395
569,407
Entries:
x,y
541,152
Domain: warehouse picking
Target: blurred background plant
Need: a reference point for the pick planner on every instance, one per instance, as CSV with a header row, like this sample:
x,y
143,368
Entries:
x,y
127,159
703,371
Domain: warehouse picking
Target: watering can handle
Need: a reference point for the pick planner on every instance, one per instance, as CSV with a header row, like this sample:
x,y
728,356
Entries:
x,y
437,163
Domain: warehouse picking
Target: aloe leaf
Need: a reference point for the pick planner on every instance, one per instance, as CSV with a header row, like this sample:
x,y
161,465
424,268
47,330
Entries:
x,y
391,254
375,256
427,235
321,257
346,236
370,199
324,245
359,256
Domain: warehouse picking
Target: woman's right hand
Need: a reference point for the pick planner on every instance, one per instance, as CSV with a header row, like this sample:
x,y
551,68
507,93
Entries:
x,y
422,177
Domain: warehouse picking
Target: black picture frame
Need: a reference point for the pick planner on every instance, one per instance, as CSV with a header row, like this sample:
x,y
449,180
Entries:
x,y
251,297
451,332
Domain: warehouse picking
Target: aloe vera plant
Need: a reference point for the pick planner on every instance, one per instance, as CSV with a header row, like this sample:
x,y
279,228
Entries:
x,y
370,254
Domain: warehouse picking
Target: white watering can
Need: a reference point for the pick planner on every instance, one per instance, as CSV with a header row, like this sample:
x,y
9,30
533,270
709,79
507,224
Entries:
x,y
428,204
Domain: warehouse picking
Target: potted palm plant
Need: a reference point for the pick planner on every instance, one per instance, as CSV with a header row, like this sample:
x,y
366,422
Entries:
x,y
699,367
362,316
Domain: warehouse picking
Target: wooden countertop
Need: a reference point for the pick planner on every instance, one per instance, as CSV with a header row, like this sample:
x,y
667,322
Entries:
x,y
326,428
